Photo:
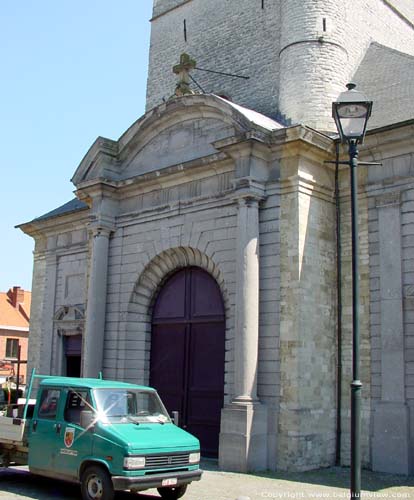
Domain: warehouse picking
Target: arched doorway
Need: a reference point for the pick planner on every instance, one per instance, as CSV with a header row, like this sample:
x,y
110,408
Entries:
x,y
187,353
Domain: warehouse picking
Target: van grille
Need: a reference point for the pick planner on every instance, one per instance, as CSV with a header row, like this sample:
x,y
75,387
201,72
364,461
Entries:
x,y
166,460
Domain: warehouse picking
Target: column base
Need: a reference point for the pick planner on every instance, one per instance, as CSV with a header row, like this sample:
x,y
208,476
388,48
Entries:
x,y
390,442
243,437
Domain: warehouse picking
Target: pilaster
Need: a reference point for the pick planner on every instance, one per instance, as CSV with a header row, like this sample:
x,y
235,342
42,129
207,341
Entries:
x,y
391,415
306,437
48,341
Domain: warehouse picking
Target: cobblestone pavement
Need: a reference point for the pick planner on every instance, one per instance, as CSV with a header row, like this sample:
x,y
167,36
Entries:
x,y
17,483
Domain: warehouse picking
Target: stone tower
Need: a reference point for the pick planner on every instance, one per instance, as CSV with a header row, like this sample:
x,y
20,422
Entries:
x,y
298,53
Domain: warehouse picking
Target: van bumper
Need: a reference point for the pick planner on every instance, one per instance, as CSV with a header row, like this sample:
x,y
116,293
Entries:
x,y
140,483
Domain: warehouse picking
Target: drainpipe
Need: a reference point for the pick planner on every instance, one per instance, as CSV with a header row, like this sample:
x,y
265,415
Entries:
x,y
339,311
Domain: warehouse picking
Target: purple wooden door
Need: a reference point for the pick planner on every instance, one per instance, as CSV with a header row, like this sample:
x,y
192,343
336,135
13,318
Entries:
x,y
187,353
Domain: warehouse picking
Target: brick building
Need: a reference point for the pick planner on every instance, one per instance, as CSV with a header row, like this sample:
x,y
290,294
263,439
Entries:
x,y
207,251
14,331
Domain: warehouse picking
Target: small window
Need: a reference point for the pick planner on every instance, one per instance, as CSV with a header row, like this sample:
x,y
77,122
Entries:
x,y
76,402
12,348
49,403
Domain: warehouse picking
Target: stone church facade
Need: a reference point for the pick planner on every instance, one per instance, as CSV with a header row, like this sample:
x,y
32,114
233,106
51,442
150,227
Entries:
x,y
208,249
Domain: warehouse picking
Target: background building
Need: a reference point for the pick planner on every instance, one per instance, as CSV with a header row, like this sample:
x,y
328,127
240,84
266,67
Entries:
x,y
208,249
14,331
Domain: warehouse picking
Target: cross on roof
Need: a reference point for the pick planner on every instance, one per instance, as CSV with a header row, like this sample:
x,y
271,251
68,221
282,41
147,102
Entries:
x,y
183,71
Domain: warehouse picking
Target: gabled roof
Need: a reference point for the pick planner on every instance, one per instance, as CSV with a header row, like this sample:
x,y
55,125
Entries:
x,y
15,309
386,77
107,159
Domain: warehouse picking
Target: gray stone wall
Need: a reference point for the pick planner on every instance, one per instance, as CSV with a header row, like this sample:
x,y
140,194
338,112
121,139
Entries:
x,y
308,49
59,279
133,247
233,36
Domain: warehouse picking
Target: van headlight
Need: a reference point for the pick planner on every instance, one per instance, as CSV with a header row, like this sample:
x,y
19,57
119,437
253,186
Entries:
x,y
194,458
134,463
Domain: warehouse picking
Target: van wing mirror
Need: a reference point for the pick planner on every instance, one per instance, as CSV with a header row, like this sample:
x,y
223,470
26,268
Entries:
x,y
87,419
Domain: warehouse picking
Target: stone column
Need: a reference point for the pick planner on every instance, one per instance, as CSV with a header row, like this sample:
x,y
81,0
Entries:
x,y
243,437
93,342
247,302
391,417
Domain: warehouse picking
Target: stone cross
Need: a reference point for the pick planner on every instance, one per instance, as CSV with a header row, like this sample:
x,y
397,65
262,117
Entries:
x,y
183,72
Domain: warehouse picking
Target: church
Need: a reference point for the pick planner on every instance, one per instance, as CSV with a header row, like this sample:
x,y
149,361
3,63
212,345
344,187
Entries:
x,y
208,249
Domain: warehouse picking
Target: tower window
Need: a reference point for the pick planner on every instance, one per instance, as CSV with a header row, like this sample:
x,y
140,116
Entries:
x,y
185,30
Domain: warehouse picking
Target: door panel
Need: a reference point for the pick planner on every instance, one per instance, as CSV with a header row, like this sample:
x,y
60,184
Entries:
x,y
206,383
187,353
168,365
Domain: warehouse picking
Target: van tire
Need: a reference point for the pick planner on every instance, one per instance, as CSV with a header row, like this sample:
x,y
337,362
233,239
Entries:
x,y
96,484
172,493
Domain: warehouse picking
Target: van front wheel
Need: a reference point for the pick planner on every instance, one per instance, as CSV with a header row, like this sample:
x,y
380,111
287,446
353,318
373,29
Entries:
x,y
96,484
172,493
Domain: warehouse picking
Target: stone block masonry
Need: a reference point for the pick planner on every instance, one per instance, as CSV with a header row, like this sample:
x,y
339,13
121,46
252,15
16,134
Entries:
x,y
298,53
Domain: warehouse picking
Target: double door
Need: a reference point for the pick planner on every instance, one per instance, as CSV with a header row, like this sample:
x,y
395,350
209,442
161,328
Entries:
x,y
187,353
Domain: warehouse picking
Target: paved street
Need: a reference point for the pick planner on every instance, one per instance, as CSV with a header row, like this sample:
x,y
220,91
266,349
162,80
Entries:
x,y
332,483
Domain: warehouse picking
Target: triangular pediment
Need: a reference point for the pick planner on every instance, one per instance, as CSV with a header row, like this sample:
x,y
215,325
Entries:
x,y
179,131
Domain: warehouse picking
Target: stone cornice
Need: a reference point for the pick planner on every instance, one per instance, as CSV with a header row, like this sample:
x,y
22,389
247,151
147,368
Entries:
x,y
62,223
178,208
398,185
388,199
182,172
102,149
387,142
303,134
94,188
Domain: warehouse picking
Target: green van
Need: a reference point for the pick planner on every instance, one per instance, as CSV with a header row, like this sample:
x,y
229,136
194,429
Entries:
x,y
106,435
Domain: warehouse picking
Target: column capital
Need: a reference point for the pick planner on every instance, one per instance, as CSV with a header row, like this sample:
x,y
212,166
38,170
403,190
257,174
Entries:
x,y
101,228
248,191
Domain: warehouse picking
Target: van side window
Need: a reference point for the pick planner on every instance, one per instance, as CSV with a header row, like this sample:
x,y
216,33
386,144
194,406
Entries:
x,y
49,403
77,401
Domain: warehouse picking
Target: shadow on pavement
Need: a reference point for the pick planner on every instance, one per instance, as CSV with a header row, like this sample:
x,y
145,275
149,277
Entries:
x,y
339,477
18,481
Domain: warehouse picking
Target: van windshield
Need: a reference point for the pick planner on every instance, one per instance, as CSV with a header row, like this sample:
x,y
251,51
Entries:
x,y
129,405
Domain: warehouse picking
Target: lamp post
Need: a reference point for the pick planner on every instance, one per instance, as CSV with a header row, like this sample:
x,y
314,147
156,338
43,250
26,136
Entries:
x,y
351,113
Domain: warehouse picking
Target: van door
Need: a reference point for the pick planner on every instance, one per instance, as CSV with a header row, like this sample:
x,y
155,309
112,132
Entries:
x,y
75,442
44,431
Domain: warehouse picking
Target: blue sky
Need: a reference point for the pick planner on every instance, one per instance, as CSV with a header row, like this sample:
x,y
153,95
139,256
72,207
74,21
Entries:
x,y
71,70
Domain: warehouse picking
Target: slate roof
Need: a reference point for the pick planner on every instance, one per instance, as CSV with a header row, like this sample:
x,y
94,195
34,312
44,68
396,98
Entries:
x,y
386,77
14,317
255,117
71,206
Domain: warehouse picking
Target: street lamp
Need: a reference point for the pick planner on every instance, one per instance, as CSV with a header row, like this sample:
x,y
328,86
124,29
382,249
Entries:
x,y
351,113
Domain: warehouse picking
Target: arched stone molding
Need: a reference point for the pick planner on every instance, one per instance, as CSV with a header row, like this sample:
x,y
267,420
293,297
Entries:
x,y
137,342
